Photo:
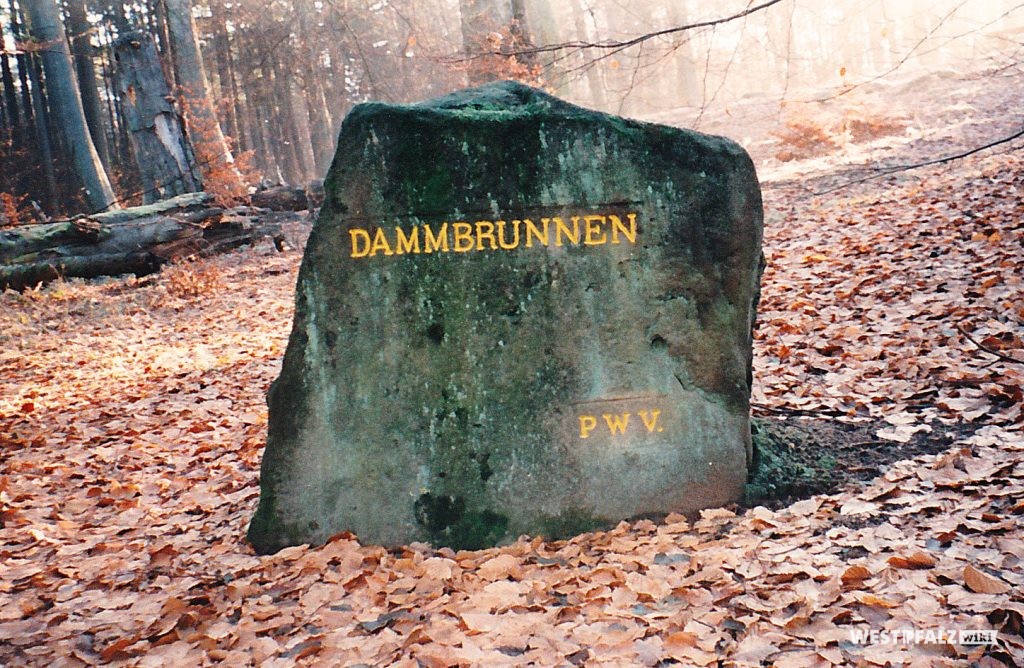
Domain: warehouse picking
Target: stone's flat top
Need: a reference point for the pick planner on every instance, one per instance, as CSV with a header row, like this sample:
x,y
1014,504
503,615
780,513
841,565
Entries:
x,y
502,96
508,100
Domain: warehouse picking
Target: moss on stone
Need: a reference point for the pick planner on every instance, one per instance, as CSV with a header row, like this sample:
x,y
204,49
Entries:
x,y
448,522
780,469
572,522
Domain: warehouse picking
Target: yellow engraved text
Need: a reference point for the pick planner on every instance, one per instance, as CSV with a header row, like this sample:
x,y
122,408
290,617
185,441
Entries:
x,y
407,244
618,424
587,424
462,234
493,235
438,243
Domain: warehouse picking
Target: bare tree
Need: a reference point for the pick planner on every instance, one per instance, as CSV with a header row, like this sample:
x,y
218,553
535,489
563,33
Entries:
x,y
66,103
163,153
190,76
81,47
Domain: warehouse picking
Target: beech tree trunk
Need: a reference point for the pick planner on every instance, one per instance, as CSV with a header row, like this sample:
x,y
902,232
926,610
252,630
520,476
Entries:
x,y
225,74
66,103
10,96
300,128
284,126
40,127
163,153
586,30
81,48
191,79
316,102
15,183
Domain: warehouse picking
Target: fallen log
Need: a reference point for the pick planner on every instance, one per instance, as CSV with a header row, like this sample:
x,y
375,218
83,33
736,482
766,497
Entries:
x,y
137,240
281,198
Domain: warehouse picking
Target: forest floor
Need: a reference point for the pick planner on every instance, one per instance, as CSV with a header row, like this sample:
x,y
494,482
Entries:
x,y
132,421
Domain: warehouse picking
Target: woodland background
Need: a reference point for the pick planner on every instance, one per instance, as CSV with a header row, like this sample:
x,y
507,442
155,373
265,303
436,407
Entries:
x,y
263,86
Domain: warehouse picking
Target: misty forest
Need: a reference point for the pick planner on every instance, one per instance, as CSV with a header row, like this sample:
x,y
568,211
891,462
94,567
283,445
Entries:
x,y
163,164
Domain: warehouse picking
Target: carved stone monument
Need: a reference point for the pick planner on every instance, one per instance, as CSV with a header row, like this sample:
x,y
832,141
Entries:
x,y
514,315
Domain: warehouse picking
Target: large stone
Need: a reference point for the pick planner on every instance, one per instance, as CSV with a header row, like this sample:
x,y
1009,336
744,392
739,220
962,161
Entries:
x,y
514,316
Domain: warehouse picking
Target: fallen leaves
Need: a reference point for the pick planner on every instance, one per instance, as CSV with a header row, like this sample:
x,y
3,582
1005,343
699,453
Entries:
x,y
879,297
757,587
132,421
500,567
858,507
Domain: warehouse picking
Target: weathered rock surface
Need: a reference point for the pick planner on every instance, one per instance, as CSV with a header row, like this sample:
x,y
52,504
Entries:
x,y
514,316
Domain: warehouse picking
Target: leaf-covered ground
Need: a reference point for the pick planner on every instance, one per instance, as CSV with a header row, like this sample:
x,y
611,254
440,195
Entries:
x,y
132,421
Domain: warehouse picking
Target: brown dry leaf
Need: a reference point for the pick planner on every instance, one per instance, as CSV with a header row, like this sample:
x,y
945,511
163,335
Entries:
x,y
915,560
501,566
499,595
678,639
754,649
805,507
438,568
858,507
983,583
855,575
876,601
691,656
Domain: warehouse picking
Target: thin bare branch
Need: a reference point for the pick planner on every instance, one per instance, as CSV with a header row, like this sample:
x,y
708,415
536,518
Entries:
x,y
618,45
892,169
986,349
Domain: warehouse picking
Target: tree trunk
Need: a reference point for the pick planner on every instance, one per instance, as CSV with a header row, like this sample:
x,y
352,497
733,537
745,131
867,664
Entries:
x,y
316,103
265,150
10,95
81,48
225,77
485,23
137,240
256,107
204,128
119,144
594,75
40,126
155,18
283,127
66,103
244,140
36,180
303,135
22,60
320,128
520,32
14,179
162,151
